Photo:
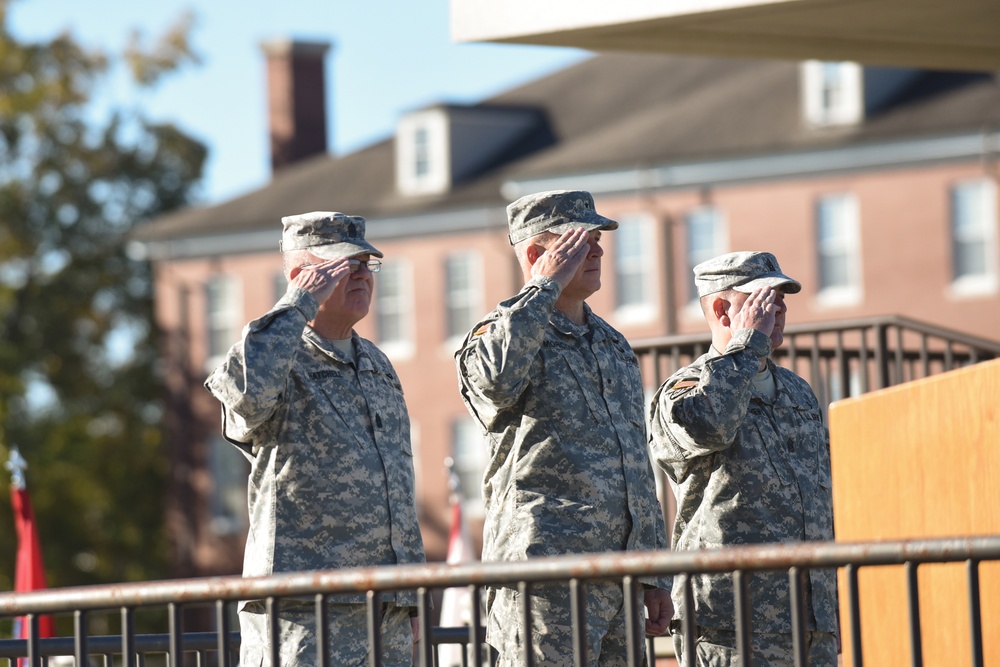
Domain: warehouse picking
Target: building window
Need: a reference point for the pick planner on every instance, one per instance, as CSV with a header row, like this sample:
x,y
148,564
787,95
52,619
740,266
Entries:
x,y
634,267
463,301
228,469
706,238
393,302
470,457
832,93
222,299
838,249
422,153
973,236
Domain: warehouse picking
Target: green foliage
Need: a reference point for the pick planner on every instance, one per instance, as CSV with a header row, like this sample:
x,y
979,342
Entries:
x,y
72,185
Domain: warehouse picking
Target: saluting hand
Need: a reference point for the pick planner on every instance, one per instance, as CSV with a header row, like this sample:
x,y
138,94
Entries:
x,y
321,279
563,257
758,311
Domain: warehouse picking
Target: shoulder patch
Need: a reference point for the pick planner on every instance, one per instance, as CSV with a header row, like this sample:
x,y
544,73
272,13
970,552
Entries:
x,y
684,384
481,330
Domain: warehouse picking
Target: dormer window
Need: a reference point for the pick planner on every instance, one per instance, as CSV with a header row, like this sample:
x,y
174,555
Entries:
x,y
422,153
832,93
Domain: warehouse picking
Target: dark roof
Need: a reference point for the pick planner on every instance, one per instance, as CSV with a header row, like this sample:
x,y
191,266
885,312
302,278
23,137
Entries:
x,y
611,110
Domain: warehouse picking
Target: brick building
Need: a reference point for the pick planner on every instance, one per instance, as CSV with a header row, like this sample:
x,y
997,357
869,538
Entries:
x,y
875,187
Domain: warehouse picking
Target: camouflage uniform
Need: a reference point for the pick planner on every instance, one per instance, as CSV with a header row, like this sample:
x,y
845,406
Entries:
x,y
331,480
746,469
561,405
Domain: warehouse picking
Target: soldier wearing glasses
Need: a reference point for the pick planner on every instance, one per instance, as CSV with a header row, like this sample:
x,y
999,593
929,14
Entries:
x,y
319,412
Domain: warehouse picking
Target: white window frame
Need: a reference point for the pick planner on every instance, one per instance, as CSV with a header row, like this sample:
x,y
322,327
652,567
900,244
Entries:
x,y
845,208
468,298
224,323
641,265
721,243
400,306
832,93
983,231
470,457
422,153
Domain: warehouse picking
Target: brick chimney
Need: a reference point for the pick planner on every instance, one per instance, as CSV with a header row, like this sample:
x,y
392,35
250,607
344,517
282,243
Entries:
x,y
296,100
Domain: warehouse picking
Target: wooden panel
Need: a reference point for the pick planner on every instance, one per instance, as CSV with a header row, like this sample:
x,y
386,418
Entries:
x,y
921,460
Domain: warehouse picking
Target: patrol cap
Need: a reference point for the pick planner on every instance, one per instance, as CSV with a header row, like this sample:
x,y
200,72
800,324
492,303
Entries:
x,y
743,272
326,234
554,211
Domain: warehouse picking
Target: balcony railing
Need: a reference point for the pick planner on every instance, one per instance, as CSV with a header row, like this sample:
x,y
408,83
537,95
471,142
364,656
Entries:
x,y
575,571
841,358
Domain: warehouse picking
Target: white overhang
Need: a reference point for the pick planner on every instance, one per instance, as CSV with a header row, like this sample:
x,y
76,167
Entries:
x,y
935,34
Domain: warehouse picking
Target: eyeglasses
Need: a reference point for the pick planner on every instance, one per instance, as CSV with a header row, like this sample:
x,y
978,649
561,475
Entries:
x,y
374,265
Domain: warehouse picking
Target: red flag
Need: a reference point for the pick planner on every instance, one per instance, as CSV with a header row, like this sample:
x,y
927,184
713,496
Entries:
x,y
29,574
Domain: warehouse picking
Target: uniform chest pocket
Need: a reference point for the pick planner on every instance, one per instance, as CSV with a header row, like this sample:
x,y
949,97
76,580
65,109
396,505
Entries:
x,y
387,407
805,438
766,447
562,389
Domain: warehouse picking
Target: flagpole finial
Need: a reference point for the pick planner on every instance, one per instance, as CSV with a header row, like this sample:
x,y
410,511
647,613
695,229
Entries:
x,y
16,465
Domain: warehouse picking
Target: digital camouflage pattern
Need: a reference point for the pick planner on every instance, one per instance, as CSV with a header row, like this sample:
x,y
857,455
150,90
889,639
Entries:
x,y
561,407
555,211
746,469
331,480
348,631
552,625
718,647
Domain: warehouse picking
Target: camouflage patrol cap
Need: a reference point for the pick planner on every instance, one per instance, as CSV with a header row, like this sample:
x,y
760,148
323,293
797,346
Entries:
x,y
743,272
554,211
326,234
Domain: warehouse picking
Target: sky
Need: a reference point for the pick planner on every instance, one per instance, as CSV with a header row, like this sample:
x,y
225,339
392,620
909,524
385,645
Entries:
x,y
387,57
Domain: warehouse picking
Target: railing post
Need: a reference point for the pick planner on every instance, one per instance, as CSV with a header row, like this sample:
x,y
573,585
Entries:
x,y
375,628
913,590
34,642
222,627
80,637
633,634
128,638
744,628
524,592
426,649
271,605
881,356
689,624
975,613
797,602
578,605
322,631
855,606
475,625
176,635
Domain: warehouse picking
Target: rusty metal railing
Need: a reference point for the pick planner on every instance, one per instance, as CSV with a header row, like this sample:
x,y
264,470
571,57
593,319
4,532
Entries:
x,y
576,571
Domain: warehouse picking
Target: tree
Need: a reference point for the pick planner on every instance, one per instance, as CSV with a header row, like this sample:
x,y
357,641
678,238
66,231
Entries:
x,y
78,389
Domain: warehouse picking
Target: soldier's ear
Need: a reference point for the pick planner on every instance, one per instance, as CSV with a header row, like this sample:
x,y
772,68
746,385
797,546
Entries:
x,y
719,307
533,252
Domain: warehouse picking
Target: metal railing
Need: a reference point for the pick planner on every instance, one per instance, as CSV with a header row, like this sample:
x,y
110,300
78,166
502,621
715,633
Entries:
x,y
575,571
840,358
